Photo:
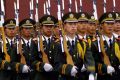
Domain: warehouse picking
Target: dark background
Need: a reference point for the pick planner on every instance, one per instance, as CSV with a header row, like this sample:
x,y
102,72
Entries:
x,y
87,7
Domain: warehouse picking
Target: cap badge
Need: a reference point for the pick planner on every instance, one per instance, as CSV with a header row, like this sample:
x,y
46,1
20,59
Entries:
x,y
71,16
11,22
117,15
110,15
92,17
82,15
49,19
28,22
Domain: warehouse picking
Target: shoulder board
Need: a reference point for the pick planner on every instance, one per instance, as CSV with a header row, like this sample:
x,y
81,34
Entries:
x,y
94,39
57,40
34,39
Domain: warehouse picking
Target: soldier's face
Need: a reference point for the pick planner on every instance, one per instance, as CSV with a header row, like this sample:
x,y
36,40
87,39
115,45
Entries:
x,y
47,30
70,28
82,27
10,32
117,27
91,28
108,28
27,32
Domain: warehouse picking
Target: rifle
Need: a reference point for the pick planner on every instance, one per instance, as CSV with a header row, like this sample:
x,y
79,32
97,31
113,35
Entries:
x,y
48,8
95,9
101,48
44,9
114,5
70,5
104,5
7,57
76,7
64,43
80,5
63,7
18,37
31,9
40,41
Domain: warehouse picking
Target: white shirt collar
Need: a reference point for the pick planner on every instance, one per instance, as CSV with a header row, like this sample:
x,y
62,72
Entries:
x,y
26,41
107,39
116,35
46,38
70,39
8,40
81,37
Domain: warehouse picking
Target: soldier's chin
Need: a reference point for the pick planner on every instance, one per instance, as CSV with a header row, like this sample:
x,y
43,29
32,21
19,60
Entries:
x,y
48,34
28,35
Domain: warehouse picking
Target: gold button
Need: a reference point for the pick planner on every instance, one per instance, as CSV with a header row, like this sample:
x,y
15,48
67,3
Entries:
x,y
49,51
111,55
74,55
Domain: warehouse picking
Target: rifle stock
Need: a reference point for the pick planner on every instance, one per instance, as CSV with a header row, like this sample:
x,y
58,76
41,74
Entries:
x,y
105,57
40,43
7,57
22,60
69,59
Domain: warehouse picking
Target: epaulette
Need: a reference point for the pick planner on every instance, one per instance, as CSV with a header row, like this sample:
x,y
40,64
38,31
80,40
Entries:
x,y
84,40
57,40
94,39
34,39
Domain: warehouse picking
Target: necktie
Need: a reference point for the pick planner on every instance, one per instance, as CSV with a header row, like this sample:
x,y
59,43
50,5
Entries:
x,y
28,45
11,43
73,44
110,41
48,42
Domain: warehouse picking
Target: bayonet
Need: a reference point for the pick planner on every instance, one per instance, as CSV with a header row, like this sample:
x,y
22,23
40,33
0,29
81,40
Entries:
x,y
76,7
80,5
95,9
70,5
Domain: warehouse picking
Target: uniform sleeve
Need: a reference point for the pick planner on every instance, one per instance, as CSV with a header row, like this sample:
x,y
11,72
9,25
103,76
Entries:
x,y
99,64
60,61
37,63
89,60
3,63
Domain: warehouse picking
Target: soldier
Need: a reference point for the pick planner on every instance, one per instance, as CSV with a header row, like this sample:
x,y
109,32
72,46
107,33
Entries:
x,y
83,23
104,52
11,66
83,18
91,29
9,40
47,40
69,56
116,32
56,31
29,50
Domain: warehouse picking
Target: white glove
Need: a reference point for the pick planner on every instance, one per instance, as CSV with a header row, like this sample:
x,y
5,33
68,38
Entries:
x,y
110,69
48,67
74,71
9,68
25,69
83,68
119,67
91,77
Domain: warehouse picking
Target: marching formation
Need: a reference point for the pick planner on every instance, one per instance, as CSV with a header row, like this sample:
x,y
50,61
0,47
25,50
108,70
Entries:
x,y
76,48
